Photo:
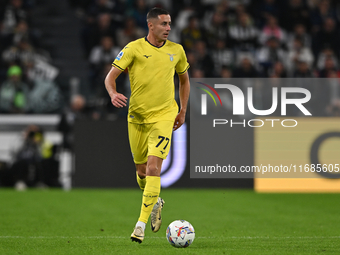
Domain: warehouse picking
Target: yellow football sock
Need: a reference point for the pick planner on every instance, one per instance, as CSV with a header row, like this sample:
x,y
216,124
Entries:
x,y
150,196
141,182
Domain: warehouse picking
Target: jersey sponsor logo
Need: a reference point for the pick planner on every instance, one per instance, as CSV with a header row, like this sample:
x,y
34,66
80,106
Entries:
x,y
120,55
147,56
171,56
162,152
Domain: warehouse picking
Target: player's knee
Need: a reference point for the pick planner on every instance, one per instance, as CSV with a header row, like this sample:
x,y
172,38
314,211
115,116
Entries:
x,y
153,170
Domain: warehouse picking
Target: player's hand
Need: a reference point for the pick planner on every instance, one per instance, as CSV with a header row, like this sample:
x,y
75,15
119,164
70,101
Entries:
x,y
118,100
180,118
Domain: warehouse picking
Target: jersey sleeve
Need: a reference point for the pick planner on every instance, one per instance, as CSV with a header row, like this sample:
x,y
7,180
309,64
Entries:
x,y
182,66
124,58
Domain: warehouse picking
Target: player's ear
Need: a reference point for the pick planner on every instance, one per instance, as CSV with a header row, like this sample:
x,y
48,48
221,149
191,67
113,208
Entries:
x,y
150,24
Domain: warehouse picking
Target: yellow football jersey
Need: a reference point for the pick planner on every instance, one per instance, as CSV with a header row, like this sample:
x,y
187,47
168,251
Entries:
x,y
151,73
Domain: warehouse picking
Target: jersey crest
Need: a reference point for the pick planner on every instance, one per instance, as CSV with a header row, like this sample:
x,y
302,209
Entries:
x,y
171,56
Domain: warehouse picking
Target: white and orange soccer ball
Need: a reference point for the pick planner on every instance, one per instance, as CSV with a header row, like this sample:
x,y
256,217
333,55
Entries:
x,y
180,233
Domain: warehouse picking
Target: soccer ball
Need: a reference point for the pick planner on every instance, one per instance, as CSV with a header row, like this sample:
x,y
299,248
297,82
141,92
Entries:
x,y
180,233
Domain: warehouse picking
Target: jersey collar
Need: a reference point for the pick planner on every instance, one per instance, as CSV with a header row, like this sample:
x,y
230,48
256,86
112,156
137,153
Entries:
x,y
154,45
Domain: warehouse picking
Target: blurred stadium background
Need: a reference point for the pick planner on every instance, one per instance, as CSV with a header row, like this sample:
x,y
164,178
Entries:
x,y
58,127
59,130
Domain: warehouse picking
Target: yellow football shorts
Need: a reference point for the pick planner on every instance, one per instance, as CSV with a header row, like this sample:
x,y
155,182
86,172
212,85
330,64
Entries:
x,y
152,139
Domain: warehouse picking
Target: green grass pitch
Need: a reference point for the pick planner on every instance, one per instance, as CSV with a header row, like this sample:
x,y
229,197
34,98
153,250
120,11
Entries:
x,y
225,222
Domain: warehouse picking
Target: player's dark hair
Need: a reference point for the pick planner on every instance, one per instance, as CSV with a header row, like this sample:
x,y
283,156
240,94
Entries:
x,y
154,12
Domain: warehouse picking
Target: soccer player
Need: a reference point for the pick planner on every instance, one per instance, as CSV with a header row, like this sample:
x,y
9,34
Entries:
x,y
153,112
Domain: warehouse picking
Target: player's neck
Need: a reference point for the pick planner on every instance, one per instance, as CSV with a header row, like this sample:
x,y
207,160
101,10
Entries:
x,y
152,39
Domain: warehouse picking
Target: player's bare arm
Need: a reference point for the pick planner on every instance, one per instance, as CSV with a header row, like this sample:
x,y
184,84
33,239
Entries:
x,y
117,99
184,91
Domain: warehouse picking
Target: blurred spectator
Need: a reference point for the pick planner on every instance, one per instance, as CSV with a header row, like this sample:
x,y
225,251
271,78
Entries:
x,y
22,31
270,54
138,13
180,7
324,54
299,52
100,103
277,71
245,69
23,53
26,168
191,34
263,9
181,21
19,54
320,14
198,73
81,4
301,34
99,7
94,31
226,72
216,27
204,60
45,97
164,4
129,33
272,29
76,110
99,90
329,69
296,12
243,35
240,8
312,3
328,37
14,94
222,55
13,13
191,57
50,165
38,69
226,14
223,6
35,164
101,55
302,69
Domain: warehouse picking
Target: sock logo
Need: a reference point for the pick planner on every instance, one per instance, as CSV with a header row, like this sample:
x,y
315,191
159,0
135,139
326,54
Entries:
x,y
151,196
147,205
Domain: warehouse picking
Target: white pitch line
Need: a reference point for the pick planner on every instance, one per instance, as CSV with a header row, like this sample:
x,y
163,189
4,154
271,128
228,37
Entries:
x,y
157,237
